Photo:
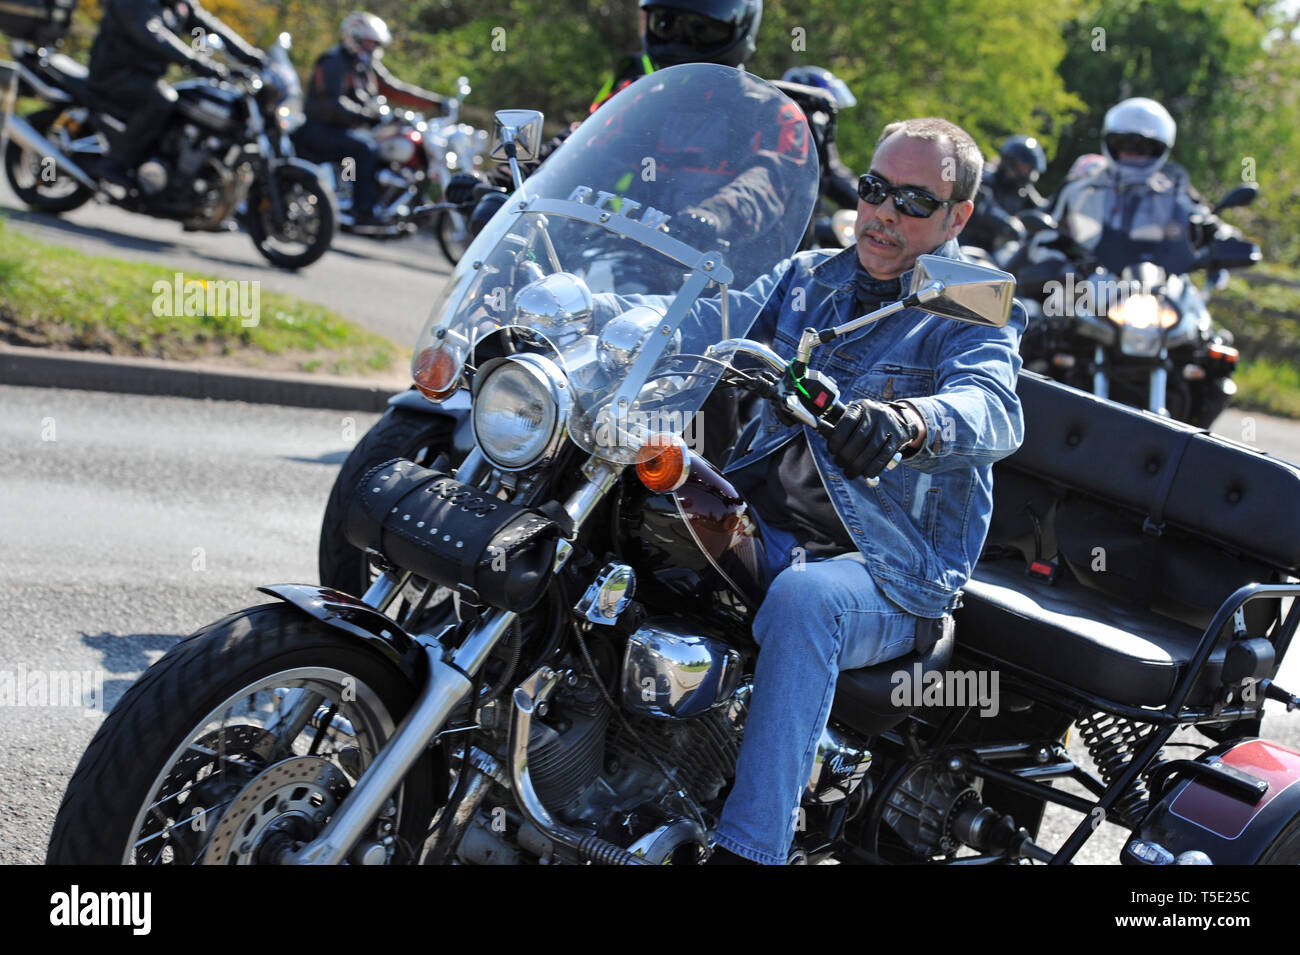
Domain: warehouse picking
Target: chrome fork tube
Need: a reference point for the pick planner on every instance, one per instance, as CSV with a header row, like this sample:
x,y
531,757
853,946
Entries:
x,y
447,686
1159,386
1100,385
444,690
385,589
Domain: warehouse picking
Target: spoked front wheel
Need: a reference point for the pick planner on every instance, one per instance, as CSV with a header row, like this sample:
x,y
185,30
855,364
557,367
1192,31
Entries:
x,y
238,746
300,231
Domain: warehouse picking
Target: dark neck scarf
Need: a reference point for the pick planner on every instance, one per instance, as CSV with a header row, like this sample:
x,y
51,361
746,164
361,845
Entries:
x,y
872,293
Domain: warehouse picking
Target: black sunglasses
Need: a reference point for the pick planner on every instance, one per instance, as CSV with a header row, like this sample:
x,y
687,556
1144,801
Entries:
x,y
908,200
680,26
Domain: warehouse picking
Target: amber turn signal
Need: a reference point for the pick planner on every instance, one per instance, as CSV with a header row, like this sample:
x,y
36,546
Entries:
x,y
662,464
1225,353
437,372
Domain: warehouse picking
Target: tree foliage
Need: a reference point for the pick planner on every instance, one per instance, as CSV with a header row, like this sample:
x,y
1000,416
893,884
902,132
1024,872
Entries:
x,y
1228,70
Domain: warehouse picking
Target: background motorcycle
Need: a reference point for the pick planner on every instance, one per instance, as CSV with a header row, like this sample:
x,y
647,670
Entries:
x,y
417,156
226,148
1131,325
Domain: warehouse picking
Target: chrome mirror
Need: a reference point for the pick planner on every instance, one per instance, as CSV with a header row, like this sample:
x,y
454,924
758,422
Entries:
x,y
520,127
962,291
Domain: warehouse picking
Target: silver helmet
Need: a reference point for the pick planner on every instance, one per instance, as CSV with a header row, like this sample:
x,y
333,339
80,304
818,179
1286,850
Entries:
x,y
364,34
1138,127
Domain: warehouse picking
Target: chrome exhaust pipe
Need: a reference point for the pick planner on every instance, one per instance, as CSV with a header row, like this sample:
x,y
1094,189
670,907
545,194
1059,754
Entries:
x,y
25,134
528,696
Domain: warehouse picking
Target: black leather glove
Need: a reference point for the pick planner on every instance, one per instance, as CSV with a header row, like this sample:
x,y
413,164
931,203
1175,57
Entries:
x,y
697,228
868,435
460,188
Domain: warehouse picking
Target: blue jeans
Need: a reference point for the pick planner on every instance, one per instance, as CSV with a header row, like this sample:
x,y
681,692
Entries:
x,y
819,617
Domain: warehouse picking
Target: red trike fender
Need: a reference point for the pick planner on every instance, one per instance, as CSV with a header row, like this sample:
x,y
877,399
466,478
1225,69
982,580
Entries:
x,y
1229,829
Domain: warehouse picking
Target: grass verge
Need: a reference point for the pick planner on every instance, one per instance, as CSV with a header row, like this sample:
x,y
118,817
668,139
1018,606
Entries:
x,y
55,297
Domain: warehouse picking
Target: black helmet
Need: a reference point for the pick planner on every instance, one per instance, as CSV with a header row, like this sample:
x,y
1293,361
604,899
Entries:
x,y
1022,160
700,31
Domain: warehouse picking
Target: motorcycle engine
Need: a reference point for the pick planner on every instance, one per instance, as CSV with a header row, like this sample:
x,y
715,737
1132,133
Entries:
x,y
924,808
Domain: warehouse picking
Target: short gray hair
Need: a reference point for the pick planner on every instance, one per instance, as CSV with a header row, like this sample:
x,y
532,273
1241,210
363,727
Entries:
x,y
967,158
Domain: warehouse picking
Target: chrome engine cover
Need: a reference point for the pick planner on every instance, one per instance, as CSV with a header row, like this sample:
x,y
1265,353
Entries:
x,y
837,771
669,674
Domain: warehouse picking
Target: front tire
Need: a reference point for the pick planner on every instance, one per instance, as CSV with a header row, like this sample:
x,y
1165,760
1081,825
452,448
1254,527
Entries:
x,y
157,780
23,169
452,230
309,216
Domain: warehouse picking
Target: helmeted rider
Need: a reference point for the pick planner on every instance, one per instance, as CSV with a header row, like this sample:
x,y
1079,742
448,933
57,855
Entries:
x,y
838,183
672,32
1006,189
349,92
1135,196
662,41
136,43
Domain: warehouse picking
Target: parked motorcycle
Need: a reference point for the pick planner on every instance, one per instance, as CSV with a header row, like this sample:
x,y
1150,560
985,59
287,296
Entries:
x,y
417,157
226,149
1129,323
586,699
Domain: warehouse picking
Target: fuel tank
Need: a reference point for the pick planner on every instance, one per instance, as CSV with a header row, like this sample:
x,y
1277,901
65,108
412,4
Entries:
x,y
698,545
213,107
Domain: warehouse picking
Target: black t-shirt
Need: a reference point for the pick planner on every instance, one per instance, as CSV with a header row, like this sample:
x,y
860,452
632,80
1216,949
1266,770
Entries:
x,y
791,495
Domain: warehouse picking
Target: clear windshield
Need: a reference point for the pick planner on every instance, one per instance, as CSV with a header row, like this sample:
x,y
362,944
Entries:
x,y
281,74
615,253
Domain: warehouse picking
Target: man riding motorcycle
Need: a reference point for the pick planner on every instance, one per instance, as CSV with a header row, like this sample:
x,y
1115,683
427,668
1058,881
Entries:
x,y
349,91
137,41
1006,189
858,575
1137,195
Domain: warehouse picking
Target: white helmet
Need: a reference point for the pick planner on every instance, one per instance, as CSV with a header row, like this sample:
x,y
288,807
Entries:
x,y
359,28
1138,126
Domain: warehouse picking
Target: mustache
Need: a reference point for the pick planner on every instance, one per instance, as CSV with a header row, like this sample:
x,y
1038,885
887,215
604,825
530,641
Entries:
x,y
878,227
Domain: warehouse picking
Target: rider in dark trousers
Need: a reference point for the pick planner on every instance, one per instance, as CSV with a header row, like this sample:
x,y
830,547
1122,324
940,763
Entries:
x,y
137,41
344,99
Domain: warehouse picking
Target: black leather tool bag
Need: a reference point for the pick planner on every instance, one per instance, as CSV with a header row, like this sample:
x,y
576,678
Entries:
x,y
453,534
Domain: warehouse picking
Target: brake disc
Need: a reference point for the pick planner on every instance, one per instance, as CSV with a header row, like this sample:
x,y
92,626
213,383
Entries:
x,y
236,754
284,806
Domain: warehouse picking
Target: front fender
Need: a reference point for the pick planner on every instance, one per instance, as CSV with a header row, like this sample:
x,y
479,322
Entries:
x,y
320,172
1230,830
349,615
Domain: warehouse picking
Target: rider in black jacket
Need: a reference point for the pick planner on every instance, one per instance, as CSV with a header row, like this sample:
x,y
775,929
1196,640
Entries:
x,y
348,93
137,41
1006,189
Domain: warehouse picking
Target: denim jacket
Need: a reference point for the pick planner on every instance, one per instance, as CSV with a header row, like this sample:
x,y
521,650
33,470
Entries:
x,y
921,529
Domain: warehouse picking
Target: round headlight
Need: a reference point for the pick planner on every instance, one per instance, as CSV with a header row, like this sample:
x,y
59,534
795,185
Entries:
x,y
517,405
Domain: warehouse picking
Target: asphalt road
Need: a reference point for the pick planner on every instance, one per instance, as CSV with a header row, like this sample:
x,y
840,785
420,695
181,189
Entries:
x,y
127,522
140,521
388,287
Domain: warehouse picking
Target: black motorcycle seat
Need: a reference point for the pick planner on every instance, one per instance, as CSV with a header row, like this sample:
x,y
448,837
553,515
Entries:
x,y
1219,490
863,697
1080,636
